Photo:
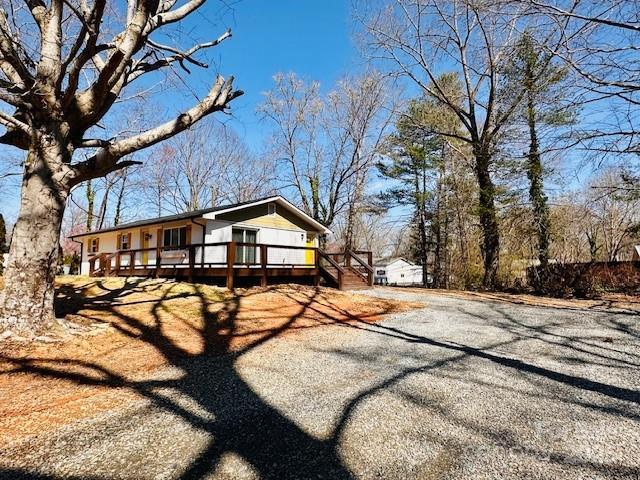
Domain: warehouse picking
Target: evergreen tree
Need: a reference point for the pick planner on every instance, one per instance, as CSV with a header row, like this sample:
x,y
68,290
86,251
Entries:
x,y
416,160
534,70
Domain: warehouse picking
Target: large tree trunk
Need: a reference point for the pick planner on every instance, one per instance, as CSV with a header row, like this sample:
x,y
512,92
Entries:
x,y
490,245
27,299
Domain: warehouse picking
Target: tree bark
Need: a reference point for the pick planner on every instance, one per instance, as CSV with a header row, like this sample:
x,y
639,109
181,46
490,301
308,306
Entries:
x,y
27,299
421,214
118,212
91,195
490,245
534,172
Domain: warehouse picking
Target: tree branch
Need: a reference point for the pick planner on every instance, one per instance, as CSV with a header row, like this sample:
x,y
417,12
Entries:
x,y
106,160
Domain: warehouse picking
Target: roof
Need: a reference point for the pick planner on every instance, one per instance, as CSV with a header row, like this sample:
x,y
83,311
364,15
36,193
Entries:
x,y
383,262
205,211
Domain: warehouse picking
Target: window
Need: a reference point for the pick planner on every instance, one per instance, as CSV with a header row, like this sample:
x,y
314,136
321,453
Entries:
x,y
380,272
271,208
245,254
123,241
94,245
174,238
402,275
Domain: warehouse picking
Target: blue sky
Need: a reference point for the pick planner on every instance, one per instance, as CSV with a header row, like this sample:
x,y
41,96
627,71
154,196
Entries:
x,y
310,37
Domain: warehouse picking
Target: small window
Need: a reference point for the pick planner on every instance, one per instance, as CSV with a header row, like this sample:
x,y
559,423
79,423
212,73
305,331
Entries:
x,y
402,275
271,207
380,272
124,241
94,245
174,238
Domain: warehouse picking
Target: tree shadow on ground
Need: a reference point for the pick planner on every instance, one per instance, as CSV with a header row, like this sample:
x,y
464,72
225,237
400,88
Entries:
x,y
238,419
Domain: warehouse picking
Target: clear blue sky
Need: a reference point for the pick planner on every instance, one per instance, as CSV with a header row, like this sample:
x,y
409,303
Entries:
x,y
310,37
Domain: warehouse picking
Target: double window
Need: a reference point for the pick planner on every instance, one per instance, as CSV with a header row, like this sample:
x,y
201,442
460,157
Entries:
x,y
245,254
174,238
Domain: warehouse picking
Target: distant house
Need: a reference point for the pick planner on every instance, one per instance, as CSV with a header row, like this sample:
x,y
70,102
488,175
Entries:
x,y
268,237
397,271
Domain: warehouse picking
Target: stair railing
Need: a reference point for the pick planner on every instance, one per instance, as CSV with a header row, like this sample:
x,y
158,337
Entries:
x,y
350,254
339,280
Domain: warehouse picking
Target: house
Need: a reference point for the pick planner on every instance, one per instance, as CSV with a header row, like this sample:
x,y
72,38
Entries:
x,y
260,239
397,271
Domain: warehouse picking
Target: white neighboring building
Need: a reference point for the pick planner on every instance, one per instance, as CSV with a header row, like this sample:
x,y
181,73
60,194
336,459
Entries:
x,y
396,271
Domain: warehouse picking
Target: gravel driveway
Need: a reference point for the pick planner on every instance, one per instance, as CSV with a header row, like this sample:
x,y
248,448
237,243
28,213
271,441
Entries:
x,y
458,389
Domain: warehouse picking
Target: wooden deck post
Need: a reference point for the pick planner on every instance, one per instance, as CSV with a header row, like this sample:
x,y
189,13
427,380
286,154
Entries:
x,y
117,263
231,260
107,266
132,261
316,277
370,273
263,264
347,257
158,261
192,261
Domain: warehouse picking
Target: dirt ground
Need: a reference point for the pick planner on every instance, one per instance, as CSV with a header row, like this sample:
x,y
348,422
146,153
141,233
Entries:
x,y
133,327
466,388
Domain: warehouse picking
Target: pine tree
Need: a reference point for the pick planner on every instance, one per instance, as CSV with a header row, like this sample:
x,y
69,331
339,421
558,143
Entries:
x,y
416,162
534,70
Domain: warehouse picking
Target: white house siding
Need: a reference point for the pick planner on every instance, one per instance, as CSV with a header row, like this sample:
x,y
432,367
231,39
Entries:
x,y
400,272
221,231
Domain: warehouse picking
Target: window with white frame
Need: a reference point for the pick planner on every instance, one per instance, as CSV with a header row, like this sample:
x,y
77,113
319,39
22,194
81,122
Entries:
x,y
174,238
94,245
123,241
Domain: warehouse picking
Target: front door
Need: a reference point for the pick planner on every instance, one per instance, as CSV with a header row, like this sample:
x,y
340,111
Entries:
x,y
309,254
144,241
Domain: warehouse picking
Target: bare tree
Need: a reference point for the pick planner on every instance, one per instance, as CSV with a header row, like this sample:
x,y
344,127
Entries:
x,y
600,44
61,83
328,144
117,216
205,166
422,40
615,215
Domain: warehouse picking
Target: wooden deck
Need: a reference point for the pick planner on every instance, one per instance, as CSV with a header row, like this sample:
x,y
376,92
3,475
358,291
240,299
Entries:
x,y
229,261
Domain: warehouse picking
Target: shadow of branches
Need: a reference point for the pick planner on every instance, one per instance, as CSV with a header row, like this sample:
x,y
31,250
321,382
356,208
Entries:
x,y
235,417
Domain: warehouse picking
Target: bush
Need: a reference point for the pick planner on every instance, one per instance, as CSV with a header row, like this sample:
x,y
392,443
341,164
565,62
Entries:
x,y
585,280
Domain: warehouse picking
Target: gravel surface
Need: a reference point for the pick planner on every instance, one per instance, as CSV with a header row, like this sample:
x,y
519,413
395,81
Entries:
x,y
458,389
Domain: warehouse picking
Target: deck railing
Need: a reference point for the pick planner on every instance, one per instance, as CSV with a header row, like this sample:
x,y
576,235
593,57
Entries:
x,y
225,258
192,259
